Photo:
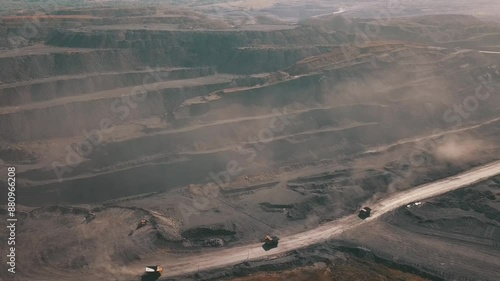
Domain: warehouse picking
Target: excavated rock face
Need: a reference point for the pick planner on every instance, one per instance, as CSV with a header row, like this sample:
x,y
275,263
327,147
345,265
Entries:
x,y
227,50
3,36
114,109
216,133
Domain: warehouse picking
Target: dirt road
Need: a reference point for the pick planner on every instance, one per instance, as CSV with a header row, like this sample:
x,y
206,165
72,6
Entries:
x,y
178,266
489,52
339,11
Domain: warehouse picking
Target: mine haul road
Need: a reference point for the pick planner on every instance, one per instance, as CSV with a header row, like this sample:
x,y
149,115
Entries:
x,y
175,265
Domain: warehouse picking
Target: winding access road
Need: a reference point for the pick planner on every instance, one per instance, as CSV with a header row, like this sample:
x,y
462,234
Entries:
x,y
489,52
176,266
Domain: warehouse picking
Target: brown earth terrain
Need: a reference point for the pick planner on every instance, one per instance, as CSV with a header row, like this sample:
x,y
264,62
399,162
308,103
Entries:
x,y
222,123
443,231
353,270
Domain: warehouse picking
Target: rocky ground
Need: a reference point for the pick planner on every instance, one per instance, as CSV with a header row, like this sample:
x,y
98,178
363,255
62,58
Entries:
x,y
455,236
219,124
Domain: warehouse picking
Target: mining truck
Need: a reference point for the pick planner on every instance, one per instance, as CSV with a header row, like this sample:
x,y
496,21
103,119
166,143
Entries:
x,y
364,213
152,273
270,242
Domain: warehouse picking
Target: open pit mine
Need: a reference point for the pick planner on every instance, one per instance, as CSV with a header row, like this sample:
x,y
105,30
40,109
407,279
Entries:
x,y
249,140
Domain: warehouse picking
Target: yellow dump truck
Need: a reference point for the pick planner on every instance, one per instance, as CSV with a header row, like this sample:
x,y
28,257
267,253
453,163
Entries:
x,y
152,273
270,242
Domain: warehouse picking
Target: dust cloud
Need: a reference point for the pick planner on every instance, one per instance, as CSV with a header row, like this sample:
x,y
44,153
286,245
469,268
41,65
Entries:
x,y
459,150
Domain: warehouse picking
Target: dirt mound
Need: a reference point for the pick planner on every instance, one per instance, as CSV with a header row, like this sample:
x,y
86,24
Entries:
x,y
66,241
